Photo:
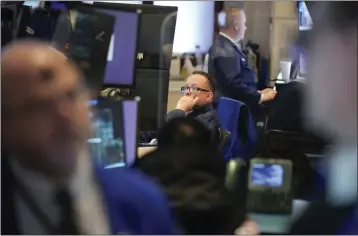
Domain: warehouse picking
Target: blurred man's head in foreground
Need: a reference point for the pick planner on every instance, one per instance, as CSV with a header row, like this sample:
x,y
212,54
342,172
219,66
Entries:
x,y
184,132
44,115
332,78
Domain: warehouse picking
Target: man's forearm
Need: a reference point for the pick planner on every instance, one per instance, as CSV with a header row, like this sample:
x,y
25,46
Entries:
x,y
176,113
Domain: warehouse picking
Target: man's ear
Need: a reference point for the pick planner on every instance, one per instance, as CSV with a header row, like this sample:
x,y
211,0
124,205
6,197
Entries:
x,y
210,96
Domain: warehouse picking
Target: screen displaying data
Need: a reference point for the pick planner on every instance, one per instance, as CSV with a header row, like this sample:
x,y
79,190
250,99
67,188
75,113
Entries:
x,y
304,17
107,142
114,141
122,49
269,175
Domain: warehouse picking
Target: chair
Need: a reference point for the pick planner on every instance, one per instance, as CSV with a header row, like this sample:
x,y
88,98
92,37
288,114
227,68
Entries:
x,y
224,137
235,117
303,150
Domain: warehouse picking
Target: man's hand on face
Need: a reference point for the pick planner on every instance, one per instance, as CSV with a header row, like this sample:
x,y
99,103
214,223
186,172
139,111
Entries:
x,y
186,103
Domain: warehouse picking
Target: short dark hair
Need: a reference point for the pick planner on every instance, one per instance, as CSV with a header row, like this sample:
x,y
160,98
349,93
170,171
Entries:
x,y
210,79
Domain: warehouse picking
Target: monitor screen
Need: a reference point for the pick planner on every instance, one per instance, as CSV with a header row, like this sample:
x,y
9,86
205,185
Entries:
x,y
58,5
107,143
109,126
33,4
89,44
126,2
268,175
304,17
121,55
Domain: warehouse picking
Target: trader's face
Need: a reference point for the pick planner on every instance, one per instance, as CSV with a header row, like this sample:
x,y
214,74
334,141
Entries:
x,y
332,85
203,93
48,118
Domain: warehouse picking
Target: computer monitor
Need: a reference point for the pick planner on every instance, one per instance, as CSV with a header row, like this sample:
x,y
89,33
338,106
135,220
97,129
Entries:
x,y
304,17
114,142
130,118
121,57
33,4
108,142
156,34
269,175
152,87
270,185
89,44
36,23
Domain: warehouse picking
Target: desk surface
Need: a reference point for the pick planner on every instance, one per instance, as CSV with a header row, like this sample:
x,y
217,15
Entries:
x,y
141,151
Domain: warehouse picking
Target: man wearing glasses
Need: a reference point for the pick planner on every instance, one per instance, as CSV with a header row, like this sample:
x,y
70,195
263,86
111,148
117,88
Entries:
x,y
197,101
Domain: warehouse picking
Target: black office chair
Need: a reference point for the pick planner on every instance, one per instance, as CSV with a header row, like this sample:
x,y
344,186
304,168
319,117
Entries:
x,y
295,147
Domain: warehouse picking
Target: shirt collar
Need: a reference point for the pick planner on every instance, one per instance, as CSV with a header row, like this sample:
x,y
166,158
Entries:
x,y
229,38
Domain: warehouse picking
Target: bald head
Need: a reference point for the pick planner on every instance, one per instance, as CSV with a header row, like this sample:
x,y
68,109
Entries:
x,y
44,114
28,66
232,21
229,16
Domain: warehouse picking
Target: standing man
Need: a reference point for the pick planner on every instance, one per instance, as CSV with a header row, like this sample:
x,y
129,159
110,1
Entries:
x,y
228,64
49,184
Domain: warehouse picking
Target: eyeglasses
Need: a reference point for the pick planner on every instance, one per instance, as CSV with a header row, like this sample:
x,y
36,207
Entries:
x,y
192,89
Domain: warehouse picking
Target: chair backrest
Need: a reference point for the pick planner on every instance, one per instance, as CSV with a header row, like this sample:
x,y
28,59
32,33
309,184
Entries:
x,y
278,140
224,137
296,147
235,117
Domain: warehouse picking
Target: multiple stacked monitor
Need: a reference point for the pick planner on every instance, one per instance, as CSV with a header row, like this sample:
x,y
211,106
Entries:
x,y
117,46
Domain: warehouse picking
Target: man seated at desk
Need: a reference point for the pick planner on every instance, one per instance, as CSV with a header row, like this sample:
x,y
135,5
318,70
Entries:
x,y
196,103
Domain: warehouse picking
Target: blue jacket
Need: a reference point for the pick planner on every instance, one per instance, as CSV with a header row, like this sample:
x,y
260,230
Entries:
x,y
234,76
135,205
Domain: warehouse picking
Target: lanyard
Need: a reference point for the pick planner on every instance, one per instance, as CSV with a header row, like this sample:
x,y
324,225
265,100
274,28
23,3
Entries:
x,y
43,219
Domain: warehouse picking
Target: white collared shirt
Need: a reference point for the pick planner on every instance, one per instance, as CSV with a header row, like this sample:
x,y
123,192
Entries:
x,y
90,213
229,38
233,41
